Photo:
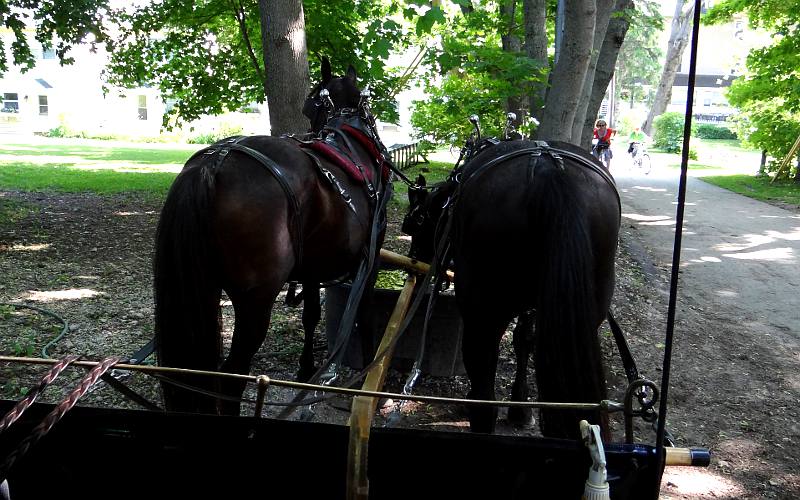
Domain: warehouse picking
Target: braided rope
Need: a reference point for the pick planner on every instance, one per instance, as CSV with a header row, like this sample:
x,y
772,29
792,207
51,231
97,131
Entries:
x,y
16,412
58,412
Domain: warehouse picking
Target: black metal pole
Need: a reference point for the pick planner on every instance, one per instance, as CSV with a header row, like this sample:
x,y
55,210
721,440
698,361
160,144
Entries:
x,y
676,252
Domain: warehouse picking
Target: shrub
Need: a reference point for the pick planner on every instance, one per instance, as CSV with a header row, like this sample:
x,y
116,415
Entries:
x,y
216,135
708,131
668,132
60,131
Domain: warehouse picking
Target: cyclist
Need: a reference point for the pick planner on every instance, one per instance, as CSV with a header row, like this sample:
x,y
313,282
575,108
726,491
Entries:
x,y
636,148
636,137
603,133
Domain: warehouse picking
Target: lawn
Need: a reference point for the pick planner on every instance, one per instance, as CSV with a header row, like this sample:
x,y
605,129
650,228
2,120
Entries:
x,y
760,188
106,167
80,166
718,157
725,163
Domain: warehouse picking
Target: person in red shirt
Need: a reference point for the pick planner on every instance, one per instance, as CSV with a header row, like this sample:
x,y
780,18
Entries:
x,y
602,151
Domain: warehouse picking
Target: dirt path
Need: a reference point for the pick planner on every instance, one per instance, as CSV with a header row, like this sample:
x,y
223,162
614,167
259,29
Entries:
x,y
736,385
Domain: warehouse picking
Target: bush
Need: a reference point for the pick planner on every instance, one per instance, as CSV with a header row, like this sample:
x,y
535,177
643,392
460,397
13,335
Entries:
x,y
708,131
217,135
60,131
668,132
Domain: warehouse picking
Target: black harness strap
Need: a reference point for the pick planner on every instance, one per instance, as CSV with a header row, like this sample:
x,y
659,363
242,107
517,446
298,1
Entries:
x,y
555,153
331,178
631,371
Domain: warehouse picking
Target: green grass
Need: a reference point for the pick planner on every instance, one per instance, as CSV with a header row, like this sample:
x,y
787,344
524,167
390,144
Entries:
x,y
143,155
32,177
759,188
102,169
434,171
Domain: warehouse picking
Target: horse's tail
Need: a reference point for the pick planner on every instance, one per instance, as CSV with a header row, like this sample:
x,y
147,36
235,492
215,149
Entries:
x,y
567,352
187,325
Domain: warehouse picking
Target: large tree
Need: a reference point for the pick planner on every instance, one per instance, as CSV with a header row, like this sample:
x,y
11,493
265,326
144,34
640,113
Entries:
x,y
678,40
286,80
612,43
496,53
569,71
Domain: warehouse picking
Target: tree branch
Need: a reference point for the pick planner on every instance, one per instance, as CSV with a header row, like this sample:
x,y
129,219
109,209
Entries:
x,y
238,12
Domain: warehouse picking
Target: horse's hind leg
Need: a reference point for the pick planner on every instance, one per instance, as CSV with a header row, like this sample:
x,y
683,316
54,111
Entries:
x,y
480,345
523,343
311,314
252,311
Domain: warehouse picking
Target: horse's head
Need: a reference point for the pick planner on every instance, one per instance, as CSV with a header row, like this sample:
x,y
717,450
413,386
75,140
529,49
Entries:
x,y
331,95
425,208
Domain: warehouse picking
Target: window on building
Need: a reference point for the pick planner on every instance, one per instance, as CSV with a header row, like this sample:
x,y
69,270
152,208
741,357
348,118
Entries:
x,y
43,108
738,30
143,107
10,103
48,53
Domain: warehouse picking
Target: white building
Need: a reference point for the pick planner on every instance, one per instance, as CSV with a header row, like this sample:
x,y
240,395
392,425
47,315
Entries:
x,y
50,95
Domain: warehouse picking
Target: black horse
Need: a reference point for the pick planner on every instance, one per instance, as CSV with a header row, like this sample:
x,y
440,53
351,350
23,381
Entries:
x,y
249,214
533,227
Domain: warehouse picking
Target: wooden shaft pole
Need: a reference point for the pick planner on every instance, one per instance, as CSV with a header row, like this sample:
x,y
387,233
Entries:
x,y
363,407
408,263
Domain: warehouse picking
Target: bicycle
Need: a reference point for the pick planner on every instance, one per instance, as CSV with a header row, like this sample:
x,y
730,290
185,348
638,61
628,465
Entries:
x,y
601,151
640,158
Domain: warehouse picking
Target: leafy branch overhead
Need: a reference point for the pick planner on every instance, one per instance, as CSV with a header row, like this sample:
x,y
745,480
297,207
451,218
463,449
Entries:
x,y
202,56
57,25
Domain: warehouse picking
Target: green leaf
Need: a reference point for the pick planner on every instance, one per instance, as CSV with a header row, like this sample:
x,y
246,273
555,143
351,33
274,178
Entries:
x,y
426,22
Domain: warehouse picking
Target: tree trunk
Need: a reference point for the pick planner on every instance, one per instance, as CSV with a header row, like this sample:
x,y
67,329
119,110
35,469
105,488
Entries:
x,y
678,40
762,166
535,12
569,72
512,43
612,42
283,36
604,8
797,171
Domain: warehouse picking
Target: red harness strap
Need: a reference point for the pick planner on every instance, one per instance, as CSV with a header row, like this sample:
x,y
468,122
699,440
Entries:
x,y
342,161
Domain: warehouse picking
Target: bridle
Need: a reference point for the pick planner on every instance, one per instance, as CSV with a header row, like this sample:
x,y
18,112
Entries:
x,y
361,117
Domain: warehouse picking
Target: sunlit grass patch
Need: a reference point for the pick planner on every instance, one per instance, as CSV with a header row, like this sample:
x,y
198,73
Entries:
x,y
759,188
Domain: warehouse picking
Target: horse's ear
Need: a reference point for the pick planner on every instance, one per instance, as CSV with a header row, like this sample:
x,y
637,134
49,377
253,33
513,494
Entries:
x,y
326,70
351,74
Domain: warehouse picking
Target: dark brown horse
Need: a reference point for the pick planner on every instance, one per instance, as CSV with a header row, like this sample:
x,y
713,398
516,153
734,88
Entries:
x,y
533,227
249,214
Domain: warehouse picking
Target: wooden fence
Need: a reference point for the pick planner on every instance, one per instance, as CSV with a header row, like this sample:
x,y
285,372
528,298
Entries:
x,y
406,155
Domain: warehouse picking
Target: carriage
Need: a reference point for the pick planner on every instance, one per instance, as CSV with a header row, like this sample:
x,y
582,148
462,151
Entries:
x,y
188,452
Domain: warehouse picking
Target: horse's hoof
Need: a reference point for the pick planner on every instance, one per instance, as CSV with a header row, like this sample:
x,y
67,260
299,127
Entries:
x,y
482,420
520,417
